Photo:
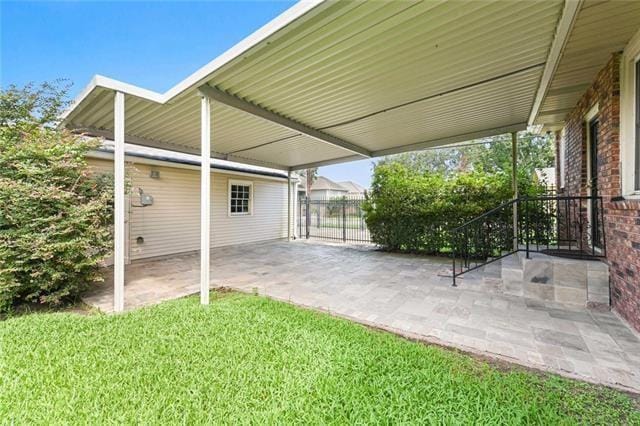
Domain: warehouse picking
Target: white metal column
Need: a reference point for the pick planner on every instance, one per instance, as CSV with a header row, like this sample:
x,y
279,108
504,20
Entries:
x,y
205,198
296,209
119,199
514,183
289,205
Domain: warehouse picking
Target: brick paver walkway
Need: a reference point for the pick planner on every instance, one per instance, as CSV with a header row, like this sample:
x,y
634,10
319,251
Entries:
x,y
404,294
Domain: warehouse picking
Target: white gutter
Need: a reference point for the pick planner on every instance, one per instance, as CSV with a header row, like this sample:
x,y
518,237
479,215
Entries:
x,y
138,159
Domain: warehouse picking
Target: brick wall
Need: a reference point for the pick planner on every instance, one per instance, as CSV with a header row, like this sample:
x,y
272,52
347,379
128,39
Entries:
x,y
621,217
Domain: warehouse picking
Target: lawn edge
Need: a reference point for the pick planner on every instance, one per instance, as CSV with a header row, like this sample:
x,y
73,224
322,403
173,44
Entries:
x,y
499,361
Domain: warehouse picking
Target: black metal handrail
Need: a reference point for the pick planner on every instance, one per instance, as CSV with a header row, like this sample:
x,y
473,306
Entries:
x,y
570,226
484,215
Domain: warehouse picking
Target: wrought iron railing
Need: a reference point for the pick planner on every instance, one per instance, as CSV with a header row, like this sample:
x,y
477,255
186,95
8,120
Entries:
x,y
569,226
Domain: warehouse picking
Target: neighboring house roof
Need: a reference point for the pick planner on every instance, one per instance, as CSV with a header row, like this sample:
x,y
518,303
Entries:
x,y
546,175
323,184
352,187
180,158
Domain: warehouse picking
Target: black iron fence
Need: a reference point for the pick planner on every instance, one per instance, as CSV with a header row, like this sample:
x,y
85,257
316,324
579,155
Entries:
x,y
569,226
337,219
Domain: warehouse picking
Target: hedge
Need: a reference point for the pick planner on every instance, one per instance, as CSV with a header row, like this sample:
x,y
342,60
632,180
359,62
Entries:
x,y
414,212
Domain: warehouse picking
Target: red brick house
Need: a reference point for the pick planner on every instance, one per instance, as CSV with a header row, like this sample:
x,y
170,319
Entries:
x,y
598,145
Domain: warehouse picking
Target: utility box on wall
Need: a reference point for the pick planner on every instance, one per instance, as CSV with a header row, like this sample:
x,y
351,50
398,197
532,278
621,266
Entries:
x,y
146,199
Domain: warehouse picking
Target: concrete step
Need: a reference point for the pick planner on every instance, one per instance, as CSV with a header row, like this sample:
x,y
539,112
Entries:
x,y
549,278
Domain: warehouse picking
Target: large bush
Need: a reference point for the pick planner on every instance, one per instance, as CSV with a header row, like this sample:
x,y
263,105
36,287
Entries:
x,y
414,211
54,215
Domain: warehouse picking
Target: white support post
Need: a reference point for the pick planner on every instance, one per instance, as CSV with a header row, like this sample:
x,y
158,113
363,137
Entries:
x,y
118,191
295,209
205,197
289,205
514,183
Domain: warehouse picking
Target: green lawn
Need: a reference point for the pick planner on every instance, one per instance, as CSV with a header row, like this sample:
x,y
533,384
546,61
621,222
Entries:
x,y
246,358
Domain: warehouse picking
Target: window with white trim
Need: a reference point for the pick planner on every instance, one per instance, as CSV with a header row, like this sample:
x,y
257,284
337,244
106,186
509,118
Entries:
x,y
630,118
240,198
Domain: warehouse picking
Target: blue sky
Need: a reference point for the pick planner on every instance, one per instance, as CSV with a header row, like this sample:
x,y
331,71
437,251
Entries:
x,y
150,44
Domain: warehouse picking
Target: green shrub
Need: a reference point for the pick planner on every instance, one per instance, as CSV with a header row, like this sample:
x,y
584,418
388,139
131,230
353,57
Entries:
x,y
54,215
411,211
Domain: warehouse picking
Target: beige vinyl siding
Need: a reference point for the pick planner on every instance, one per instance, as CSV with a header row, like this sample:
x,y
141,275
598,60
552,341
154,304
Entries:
x,y
172,224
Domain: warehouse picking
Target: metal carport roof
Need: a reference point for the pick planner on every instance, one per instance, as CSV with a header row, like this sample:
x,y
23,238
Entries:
x,y
333,81
328,81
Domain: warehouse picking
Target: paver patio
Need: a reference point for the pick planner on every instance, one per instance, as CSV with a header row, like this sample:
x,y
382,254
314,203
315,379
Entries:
x,y
404,294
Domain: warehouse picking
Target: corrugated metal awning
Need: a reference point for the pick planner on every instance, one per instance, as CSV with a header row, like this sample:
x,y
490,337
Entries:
x,y
382,77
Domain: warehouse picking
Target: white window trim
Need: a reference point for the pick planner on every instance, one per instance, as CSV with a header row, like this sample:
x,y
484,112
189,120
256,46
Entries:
x,y
593,112
251,195
588,118
628,107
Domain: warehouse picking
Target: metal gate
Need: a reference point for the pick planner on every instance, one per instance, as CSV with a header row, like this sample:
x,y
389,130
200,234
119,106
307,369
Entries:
x,y
338,219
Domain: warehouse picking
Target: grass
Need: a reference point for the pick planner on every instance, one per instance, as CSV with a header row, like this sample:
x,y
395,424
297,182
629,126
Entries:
x,y
249,359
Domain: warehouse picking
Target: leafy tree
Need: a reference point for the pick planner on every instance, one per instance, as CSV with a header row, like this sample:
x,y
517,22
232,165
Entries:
x,y
310,177
54,214
444,161
492,155
534,151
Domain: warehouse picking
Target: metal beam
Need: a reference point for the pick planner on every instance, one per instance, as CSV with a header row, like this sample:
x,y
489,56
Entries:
x,y
205,198
433,143
563,30
118,195
314,164
452,139
242,105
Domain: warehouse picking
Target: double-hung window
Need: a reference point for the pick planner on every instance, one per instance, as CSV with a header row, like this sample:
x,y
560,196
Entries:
x,y
240,198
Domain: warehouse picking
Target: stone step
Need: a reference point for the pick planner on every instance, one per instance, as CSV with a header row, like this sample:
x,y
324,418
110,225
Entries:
x,y
549,278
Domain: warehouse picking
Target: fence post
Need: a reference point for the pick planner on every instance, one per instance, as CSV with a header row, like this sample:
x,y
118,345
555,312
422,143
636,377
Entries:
x,y
307,218
344,219
299,217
